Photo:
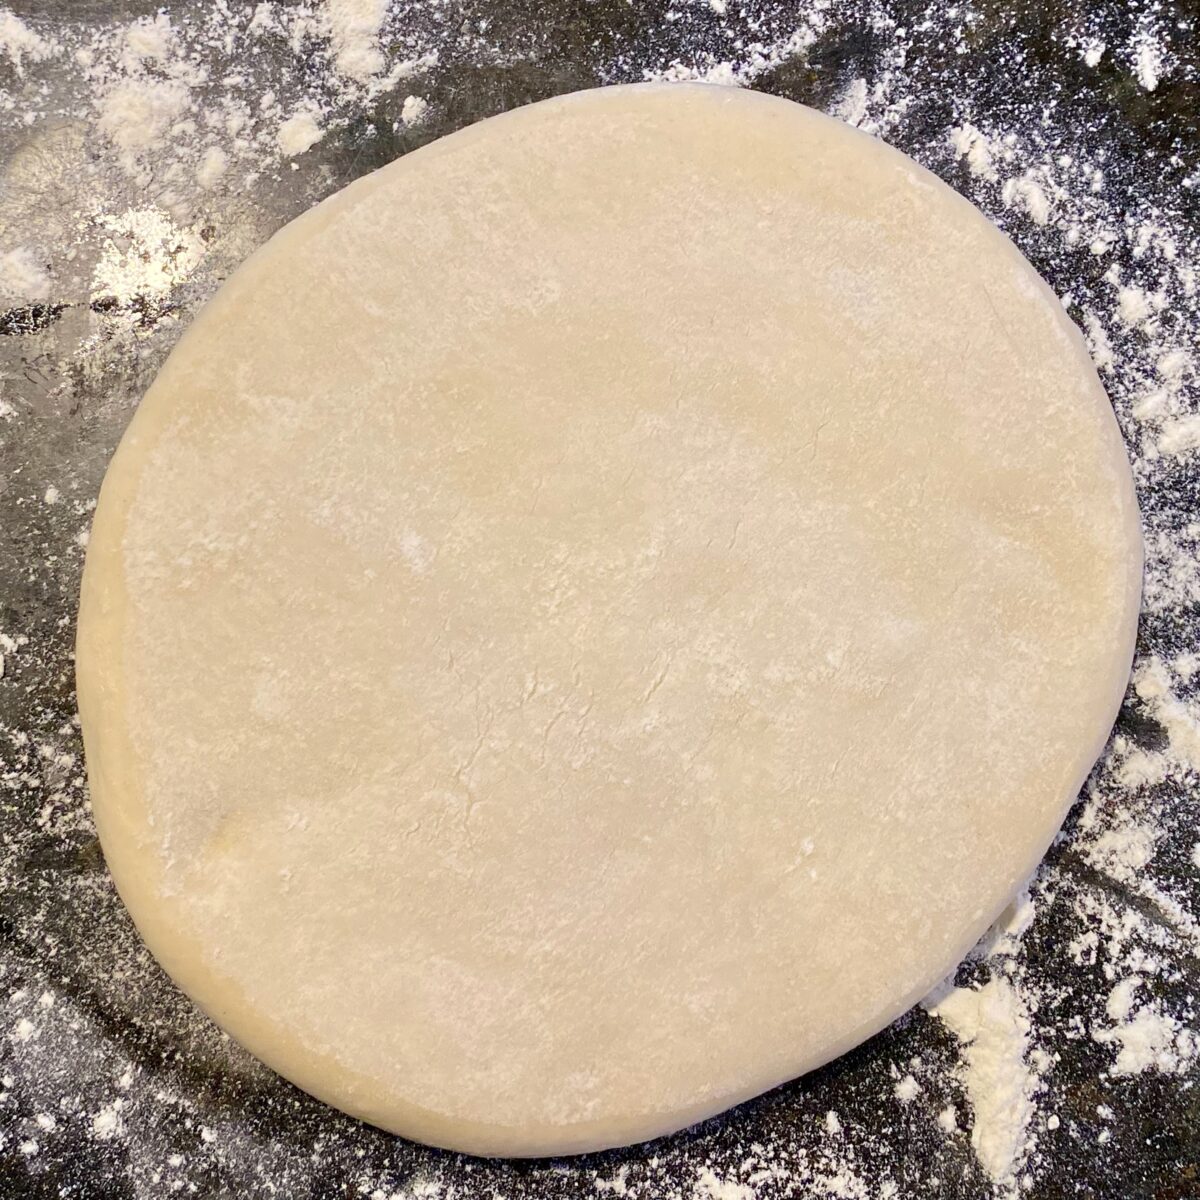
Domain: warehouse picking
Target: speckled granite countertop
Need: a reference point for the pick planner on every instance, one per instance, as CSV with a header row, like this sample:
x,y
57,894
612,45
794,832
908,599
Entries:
x,y
143,156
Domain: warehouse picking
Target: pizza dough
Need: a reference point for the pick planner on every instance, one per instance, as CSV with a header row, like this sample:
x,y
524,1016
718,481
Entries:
x,y
597,617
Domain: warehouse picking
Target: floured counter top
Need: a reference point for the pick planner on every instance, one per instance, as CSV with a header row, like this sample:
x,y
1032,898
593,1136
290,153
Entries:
x,y
145,154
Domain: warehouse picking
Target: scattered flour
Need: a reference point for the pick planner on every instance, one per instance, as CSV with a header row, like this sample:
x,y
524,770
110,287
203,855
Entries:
x,y
23,279
144,256
1124,849
20,44
1005,937
1133,306
1180,436
614,1185
754,58
150,40
1153,686
994,1027
414,110
974,146
107,1123
8,647
710,1186
988,158
1025,192
354,32
137,116
852,107
1149,1039
1149,58
212,167
299,133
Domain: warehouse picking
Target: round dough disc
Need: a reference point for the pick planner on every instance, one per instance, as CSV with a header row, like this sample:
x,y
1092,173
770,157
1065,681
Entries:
x,y
598,616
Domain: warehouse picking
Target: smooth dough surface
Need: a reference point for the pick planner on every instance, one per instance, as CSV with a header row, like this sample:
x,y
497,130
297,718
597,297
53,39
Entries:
x,y
595,619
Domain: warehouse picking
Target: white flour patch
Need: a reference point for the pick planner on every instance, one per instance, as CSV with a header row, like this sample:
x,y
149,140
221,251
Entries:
x,y
354,32
212,167
993,1025
614,1185
1147,1037
852,107
23,277
1149,57
1027,193
107,1123
144,255
1134,307
22,45
137,116
755,58
710,1186
1123,850
148,41
971,144
298,133
1180,436
414,110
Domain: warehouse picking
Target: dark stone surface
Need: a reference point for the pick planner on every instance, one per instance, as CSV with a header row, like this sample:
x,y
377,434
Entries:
x,y
71,369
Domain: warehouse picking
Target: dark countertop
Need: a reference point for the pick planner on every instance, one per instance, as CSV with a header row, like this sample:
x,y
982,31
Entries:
x,y
111,1084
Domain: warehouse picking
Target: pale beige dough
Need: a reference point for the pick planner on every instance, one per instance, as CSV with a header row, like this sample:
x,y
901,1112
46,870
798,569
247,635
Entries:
x,y
597,617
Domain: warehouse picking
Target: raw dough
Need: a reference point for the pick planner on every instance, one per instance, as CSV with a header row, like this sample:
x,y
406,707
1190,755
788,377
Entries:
x,y
597,617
